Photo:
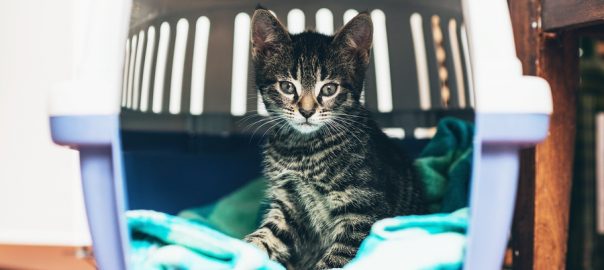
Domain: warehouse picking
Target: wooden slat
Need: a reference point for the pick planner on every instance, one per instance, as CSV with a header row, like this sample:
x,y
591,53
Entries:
x,y
558,64
541,222
565,14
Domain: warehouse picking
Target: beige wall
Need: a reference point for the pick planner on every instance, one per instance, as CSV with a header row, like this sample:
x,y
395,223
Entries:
x,y
40,192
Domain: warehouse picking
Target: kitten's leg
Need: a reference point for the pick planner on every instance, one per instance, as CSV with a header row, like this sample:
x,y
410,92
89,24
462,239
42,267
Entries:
x,y
349,231
275,236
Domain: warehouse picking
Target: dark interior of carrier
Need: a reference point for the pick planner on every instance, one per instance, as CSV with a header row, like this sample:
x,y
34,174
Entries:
x,y
178,160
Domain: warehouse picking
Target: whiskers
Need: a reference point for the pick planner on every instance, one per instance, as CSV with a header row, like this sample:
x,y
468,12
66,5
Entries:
x,y
275,121
338,124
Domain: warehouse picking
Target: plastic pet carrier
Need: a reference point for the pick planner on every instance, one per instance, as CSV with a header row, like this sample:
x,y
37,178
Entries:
x,y
158,122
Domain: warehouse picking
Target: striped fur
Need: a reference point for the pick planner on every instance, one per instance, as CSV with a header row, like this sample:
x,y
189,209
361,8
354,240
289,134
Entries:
x,y
332,173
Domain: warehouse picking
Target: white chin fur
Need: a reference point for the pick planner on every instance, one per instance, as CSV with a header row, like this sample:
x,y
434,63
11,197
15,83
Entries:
x,y
305,129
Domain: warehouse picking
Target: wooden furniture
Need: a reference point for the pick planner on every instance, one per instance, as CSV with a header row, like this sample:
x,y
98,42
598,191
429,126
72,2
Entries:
x,y
46,257
547,36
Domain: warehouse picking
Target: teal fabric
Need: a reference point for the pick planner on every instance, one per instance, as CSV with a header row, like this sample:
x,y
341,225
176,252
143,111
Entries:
x,y
160,241
428,242
445,166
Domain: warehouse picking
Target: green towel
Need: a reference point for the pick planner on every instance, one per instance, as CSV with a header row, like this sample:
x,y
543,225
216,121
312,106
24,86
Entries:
x,y
237,215
445,166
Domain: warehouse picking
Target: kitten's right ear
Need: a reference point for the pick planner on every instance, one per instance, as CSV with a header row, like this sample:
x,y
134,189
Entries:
x,y
268,34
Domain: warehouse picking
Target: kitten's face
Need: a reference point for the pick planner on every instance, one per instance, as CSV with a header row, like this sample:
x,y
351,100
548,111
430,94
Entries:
x,y
310,79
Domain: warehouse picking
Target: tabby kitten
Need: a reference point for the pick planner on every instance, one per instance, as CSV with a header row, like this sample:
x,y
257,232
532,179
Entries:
x,y
332,172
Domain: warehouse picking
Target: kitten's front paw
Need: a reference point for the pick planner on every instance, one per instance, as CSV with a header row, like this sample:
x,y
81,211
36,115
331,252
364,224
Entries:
x,y
332,262
257,242
274,248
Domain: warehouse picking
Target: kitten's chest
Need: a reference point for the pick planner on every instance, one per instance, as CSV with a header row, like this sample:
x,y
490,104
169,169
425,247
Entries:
x,y
310,188
313,169
311,179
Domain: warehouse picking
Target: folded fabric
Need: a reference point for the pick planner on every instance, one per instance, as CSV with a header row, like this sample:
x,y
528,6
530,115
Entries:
x,y
435,241
445,166
160,241
237,214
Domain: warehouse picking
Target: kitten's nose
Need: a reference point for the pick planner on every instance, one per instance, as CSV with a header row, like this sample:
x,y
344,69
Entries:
x,y
307,113
307,106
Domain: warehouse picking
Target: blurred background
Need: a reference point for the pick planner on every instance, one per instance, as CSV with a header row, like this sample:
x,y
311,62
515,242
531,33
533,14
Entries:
x,y
42,216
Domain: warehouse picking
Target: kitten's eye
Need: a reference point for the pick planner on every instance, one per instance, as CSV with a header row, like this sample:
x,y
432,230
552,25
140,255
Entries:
x,y
287,87
329,89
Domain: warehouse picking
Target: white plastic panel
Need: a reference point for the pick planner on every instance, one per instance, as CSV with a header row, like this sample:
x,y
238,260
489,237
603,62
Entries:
x,y
261,108
137,70
421,62
382,62
178,63
125,74
324,21
160,67
396,133
421,133
98,50
131,71
456,56
149,53
499,84
296,21
349,14
240,64
200,57
468,63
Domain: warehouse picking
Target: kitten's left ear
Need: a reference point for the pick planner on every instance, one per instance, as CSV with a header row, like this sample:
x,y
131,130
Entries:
x,y
357,36
268,34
